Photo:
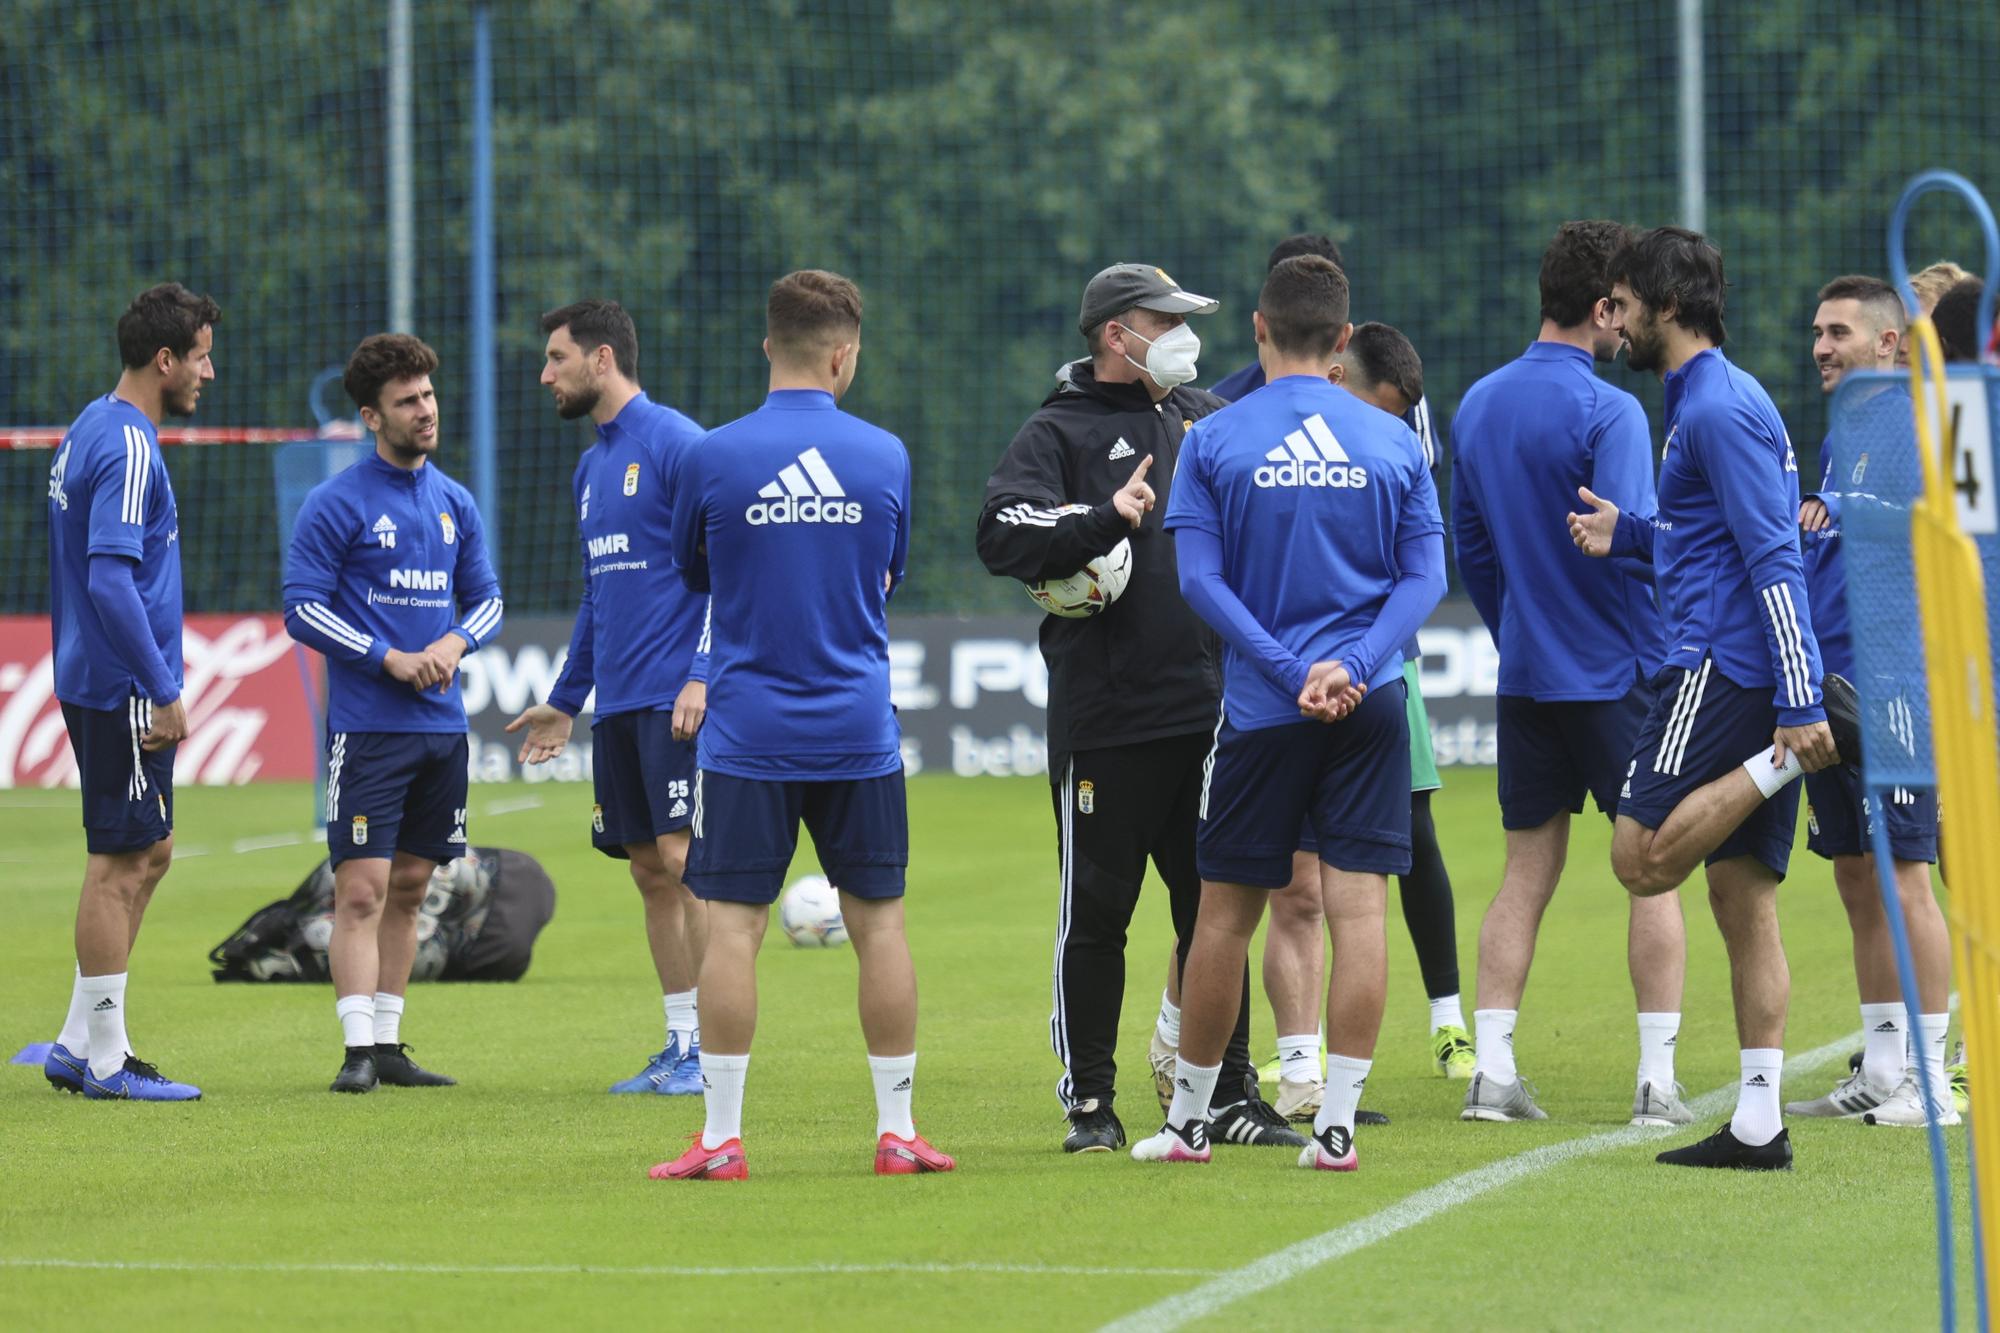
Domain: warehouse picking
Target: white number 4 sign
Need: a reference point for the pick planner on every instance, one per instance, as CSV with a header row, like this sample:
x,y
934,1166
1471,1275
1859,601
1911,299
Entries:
x,y
1972,455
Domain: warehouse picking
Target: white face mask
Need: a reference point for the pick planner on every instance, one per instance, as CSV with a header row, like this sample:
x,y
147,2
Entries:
x,y
1170,358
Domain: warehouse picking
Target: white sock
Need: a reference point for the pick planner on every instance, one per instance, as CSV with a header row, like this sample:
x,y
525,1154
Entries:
x,y
893,1075
680,1006
1298,1058
1345,1078
104,1000
1884,1044
1493,1043
388,1019
1446,1013
1167,1027
1771,778
1193,1086
1756,1121
357,1019
722,1083
1657,1035
75,1036
1934,1027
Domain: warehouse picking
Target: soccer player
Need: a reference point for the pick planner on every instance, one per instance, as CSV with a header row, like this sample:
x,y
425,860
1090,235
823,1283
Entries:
x,y
1859,326
1132,691
796,520
1309,537
1293,952
380,555
1739,712
115,613
1956,316
637,640
1579,643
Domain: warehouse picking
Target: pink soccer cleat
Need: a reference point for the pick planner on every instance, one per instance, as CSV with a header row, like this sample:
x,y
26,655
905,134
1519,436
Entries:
x,y
699,1163
898,1156
1331,1150
1187,1143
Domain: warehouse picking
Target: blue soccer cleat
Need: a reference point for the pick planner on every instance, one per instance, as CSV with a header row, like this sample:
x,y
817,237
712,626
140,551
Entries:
x,y
65,1072
137,1081
674,1072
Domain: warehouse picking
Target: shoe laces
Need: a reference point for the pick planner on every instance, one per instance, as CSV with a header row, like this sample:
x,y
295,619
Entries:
x,y
138,1068
1093,1114
1260,1112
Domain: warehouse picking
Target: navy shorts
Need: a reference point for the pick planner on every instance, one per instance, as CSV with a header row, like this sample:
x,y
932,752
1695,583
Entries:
x,y
392,791
644,780
747,829
1347,783
128,793
1552,754
1702,725
1840,817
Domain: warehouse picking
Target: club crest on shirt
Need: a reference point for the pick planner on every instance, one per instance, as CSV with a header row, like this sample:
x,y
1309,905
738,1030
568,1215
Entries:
x,y
631,479
360,831
1860,468
1086,797
450,528
597,819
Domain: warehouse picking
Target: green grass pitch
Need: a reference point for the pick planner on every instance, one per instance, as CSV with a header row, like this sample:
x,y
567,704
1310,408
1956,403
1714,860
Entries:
x,y
520,1200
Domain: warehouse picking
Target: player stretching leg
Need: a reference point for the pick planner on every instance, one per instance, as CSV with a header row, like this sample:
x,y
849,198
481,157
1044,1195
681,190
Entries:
x,y
1309,537
378,557
796,519
1739,712
1859,326
115,613
1578,639
637,640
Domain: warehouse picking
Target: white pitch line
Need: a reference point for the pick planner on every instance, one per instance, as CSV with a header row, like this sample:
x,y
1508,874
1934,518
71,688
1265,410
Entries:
x,y
1294,1260
514,806
267,842
594,1270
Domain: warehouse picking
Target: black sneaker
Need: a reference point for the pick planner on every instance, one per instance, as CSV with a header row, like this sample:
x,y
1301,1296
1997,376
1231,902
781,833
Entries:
x,y
1724,1149
357,1073
1369,1118
394,1066
1854,1062
1843,717
1093,1127
1252,1123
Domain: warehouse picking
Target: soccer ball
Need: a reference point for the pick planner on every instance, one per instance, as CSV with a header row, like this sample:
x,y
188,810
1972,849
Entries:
x,y
1089,590
810,913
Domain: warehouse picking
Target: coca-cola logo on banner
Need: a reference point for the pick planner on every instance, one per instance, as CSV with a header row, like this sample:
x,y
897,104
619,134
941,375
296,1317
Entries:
x,y
244,691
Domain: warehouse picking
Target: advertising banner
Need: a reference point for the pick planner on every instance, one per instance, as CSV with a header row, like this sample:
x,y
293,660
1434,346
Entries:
x,y
971,693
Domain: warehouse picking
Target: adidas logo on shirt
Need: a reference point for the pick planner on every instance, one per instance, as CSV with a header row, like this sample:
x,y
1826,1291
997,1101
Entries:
x,y
680,808
385,531
804,492
1121,450
1311,456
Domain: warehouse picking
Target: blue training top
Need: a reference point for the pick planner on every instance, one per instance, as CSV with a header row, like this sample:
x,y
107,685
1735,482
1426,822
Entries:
x,y
638,629
380,557
796,521
1525,438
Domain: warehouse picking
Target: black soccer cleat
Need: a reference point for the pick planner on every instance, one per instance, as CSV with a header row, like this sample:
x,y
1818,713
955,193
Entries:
x,y
1252,1123
394,1066
1854,1062
1369,1118
1724,1149
1093,1127
1843,717
357,1072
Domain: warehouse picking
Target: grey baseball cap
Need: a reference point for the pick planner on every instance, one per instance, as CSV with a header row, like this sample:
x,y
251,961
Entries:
x,y
1123,286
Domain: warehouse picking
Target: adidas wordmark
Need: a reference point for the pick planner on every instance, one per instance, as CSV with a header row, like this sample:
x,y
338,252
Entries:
x,y
1311,456
805,492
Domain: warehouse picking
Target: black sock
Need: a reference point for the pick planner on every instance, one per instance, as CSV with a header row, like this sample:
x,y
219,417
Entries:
x,y
1427,905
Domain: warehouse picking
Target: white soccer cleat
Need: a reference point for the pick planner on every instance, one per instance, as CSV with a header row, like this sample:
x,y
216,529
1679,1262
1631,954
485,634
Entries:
x,y
1905,1107
1299,1099
1332,1150
1189,1143
1855,1096
1659,1105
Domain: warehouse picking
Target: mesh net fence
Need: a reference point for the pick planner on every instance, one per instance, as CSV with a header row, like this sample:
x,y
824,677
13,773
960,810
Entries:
x,y
969,165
